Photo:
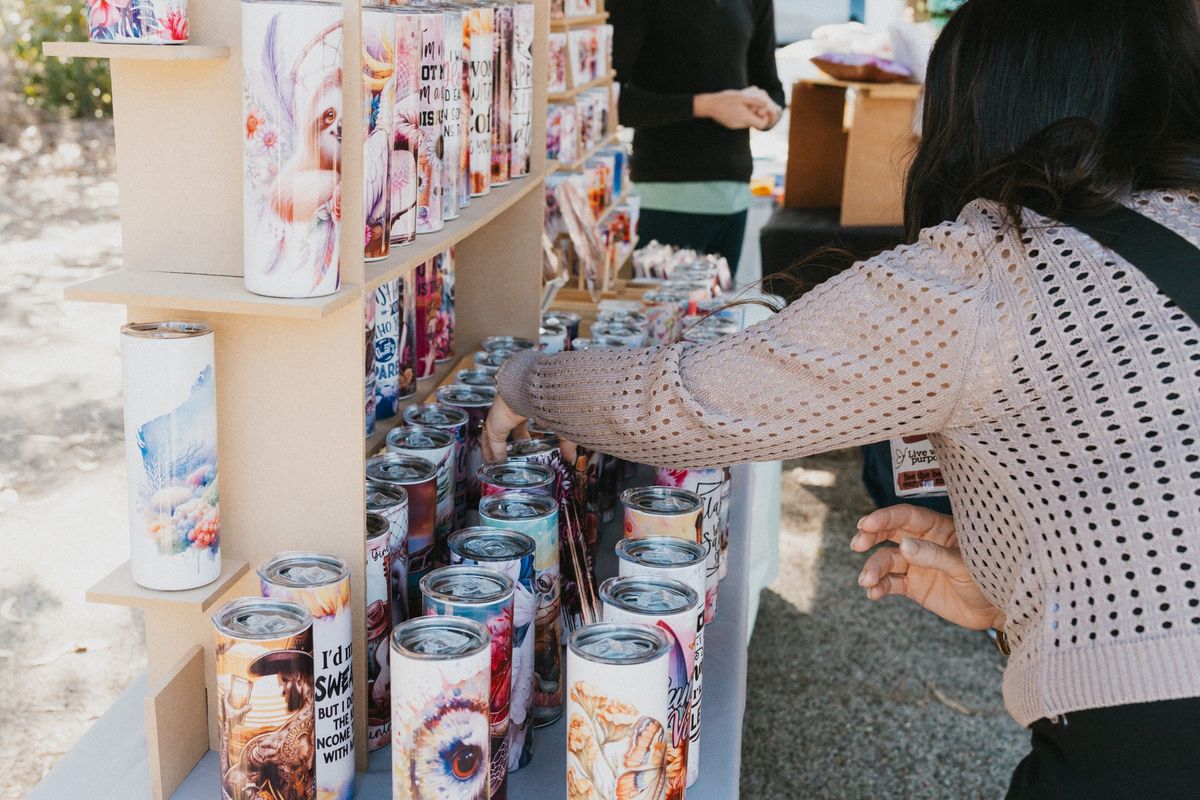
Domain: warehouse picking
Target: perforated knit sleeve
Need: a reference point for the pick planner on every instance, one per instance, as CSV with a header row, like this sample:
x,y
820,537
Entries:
x,y
882,350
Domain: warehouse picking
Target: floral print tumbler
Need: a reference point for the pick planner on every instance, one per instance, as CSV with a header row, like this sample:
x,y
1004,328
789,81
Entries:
x,y
171,454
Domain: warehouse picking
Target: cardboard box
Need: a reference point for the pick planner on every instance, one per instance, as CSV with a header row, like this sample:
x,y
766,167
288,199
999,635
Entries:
x,y
849,146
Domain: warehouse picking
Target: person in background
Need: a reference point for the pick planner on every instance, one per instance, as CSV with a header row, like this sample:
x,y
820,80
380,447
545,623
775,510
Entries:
x,y
696,76
1058,381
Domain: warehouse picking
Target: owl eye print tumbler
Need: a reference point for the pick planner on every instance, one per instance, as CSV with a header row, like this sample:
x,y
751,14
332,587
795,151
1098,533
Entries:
x,y
440,743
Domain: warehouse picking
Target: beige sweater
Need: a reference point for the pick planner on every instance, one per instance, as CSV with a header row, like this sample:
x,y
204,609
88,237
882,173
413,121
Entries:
x,y
1062,393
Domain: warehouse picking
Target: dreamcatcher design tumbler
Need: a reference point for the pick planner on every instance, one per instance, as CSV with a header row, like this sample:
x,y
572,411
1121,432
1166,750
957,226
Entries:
x,y
292,143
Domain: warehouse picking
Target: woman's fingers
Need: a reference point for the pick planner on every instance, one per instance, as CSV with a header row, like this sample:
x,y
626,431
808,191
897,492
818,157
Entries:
x,y
933,556
889,584
882,562
900,521
495,448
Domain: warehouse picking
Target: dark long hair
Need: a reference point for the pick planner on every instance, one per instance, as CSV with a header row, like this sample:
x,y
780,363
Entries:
x,y
1057,104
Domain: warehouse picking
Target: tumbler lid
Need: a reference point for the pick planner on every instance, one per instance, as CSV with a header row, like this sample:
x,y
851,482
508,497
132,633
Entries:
x,y
400,468
435,415
481,543
493,343
462,584
653,597
466,396
508,506
440,638
660,551
303,570
166,330
261,618
619,642
667,500
418,437
382,496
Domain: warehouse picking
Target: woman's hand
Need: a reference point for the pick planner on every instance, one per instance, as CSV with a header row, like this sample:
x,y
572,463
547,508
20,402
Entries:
x,y
501,421
927,567
733,109
767,107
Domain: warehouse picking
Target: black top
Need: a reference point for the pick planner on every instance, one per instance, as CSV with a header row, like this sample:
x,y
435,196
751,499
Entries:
x,y
666,51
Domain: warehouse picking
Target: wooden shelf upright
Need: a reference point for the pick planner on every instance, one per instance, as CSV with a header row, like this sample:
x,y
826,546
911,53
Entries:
x,y
289,372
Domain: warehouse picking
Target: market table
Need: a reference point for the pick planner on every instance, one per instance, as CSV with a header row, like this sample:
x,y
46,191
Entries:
x,y
110,760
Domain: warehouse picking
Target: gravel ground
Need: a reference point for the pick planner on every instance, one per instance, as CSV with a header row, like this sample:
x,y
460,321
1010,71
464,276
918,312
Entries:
x,y
849,699
63,521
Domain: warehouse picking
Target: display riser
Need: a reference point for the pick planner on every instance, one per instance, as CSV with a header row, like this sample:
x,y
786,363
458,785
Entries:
x,y
110,760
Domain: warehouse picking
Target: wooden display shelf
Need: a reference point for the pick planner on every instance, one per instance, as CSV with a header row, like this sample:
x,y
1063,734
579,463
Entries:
x,y
425,389
217,294
109,760
578,164
567,23
137,52
481,211
569,94
118,589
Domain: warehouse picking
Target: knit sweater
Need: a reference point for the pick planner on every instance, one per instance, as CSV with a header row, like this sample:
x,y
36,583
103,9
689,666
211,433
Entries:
x,y
1061,392
667,51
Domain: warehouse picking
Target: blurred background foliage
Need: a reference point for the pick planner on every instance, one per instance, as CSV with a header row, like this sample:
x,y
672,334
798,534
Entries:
x,y
40,89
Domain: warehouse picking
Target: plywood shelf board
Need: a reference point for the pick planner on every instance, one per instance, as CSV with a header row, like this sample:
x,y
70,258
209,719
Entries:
x,y
108,761
603,80
118,589
472,218
136,52
567,23
219,294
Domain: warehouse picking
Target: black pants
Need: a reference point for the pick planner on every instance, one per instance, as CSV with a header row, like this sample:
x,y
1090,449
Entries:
x,y
705,233
1143,751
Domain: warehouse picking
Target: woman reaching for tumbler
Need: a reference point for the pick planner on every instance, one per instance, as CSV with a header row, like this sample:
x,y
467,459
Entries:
x,y
1057,373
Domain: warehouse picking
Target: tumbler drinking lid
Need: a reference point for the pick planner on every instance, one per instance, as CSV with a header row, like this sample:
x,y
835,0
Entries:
x,y
440,638
517,474
648,595
481,376
303,570
466,585
493,358
667,500
481,543
166,330
514,343
385,495
419,437
437,415
660,551
466,396
619,642
261,618
523,448
400,468
517,506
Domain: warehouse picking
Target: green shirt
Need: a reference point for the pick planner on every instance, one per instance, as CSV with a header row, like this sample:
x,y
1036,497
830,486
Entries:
x,y
695,197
